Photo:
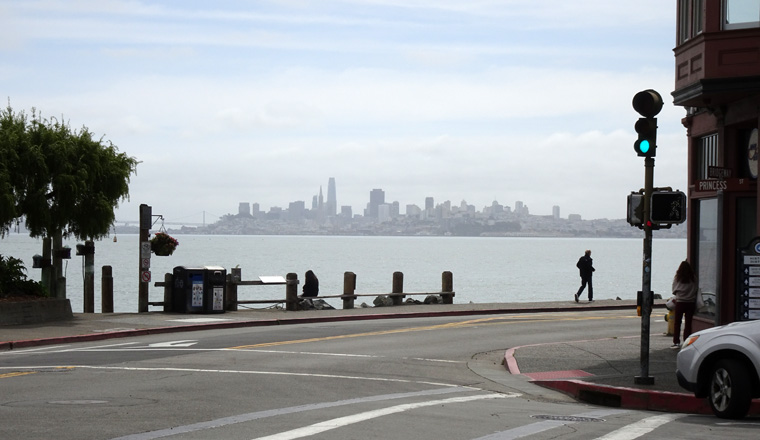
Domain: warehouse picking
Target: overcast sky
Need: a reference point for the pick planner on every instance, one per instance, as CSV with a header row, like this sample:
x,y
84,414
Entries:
x,y
263,101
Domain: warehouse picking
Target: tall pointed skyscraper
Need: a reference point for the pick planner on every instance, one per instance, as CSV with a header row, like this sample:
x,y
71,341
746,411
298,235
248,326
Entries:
x,y
332,202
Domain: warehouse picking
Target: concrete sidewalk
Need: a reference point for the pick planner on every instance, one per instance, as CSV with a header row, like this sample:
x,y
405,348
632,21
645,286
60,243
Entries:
x,y
598,370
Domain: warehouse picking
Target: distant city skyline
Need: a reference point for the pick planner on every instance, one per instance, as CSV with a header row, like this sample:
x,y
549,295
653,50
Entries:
x,y
376,199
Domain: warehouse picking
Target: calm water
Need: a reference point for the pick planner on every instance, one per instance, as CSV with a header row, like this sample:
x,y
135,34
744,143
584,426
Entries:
x,y
485,269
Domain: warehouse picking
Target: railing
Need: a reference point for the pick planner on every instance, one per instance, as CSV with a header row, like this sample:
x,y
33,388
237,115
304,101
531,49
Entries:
x,y
234,281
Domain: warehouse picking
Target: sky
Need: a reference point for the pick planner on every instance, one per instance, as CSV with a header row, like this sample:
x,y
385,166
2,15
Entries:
x,y
263,101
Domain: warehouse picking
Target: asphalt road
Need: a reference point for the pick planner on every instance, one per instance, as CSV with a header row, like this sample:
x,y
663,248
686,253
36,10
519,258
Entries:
x,y
425,378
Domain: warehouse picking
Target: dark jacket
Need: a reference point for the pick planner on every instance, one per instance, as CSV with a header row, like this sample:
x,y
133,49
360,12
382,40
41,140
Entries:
x,y
585,265
310,285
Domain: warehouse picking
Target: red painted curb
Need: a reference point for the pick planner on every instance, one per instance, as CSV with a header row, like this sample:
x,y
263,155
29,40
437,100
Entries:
x,y
634,398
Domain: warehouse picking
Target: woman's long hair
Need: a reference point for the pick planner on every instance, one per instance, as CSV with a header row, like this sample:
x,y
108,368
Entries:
x,y
684,274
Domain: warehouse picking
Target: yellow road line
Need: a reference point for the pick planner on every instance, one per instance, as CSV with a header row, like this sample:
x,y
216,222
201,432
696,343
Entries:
x,y
498,320
16,374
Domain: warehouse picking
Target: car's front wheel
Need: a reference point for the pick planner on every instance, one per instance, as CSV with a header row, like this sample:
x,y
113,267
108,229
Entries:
x,y
729,389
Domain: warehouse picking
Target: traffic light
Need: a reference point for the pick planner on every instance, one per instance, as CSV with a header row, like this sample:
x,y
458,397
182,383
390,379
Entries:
x,y
648,104
646,145
635,215
667,207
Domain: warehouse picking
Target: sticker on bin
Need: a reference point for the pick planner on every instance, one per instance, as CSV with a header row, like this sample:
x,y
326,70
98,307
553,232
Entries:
x,y
218,298
197,295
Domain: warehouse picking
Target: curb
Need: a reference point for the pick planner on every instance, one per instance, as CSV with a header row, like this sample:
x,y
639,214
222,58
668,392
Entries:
x,y
631,398
10,345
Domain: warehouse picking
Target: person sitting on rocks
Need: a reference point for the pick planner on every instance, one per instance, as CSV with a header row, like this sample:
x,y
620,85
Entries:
x,y
310,285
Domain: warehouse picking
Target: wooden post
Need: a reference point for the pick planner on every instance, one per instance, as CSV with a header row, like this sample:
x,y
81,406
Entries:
x,y
398,287
447,287
47,278
106,290
233,278
89,277
168,292
291,292
349,288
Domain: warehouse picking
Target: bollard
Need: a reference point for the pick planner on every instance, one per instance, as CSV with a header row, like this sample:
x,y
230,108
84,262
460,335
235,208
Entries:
x,y
106,289
398,287
291,292
168,289
670,318
349,288
447,287
89,277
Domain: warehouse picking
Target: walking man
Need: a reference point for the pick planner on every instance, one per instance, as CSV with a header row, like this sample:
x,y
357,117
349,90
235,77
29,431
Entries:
x,y
586,268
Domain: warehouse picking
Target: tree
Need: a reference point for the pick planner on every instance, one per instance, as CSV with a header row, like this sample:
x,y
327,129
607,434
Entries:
x,y
63,182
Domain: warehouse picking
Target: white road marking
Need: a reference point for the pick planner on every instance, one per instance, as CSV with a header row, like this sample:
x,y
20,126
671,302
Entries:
x,y
642,427
204,370
436,360
184,346
173,344
361,417
306,353
535,428
32,350
241,418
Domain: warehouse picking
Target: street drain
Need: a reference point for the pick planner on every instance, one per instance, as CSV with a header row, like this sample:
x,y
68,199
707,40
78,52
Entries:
x,y
567,418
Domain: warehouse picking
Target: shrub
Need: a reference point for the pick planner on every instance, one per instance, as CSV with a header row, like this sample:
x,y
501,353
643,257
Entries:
x,y
13,280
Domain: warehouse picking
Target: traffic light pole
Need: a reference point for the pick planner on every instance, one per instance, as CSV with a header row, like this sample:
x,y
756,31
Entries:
x,y
646,277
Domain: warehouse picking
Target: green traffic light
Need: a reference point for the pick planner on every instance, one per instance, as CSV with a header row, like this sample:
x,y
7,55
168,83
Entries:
x,y
644,146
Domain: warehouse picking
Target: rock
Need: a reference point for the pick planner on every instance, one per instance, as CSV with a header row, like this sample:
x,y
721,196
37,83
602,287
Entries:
x,y
383,301
321,304
314,304
433,299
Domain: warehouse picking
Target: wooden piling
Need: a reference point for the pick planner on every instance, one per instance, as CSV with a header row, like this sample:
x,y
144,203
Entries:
x,y
398,287
447,287
233,278
168,288
291,292
349,288
106,289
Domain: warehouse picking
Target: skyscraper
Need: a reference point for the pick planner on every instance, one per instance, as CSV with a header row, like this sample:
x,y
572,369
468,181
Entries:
x,y
332,201
376,198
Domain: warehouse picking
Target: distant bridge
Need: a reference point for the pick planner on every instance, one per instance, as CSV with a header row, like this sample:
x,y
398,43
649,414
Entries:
x,y
137,223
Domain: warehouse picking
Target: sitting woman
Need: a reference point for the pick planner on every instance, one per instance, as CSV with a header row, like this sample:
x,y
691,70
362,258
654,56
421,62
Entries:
x,y
310,285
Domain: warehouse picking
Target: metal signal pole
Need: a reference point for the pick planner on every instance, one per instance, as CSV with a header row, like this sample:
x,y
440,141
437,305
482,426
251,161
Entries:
x,y
648,104
646,276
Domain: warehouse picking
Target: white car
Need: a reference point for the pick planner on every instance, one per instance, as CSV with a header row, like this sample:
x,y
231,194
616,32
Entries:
x,y
723,364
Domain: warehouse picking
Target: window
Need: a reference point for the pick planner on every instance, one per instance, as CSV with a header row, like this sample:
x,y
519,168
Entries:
x,y
707,256
697,18
707,155
691,19
741,14
683,20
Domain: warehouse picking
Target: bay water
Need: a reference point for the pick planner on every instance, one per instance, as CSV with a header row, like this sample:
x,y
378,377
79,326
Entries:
x,y
485,269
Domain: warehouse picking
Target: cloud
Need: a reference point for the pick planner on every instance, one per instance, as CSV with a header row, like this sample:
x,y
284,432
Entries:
x,y
264,101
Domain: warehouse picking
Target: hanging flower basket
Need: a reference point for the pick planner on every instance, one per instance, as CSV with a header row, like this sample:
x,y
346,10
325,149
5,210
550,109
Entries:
x,y
163,244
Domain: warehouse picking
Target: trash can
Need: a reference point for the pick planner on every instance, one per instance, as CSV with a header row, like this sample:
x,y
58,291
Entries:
x,y
199,289
215,279
187,291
